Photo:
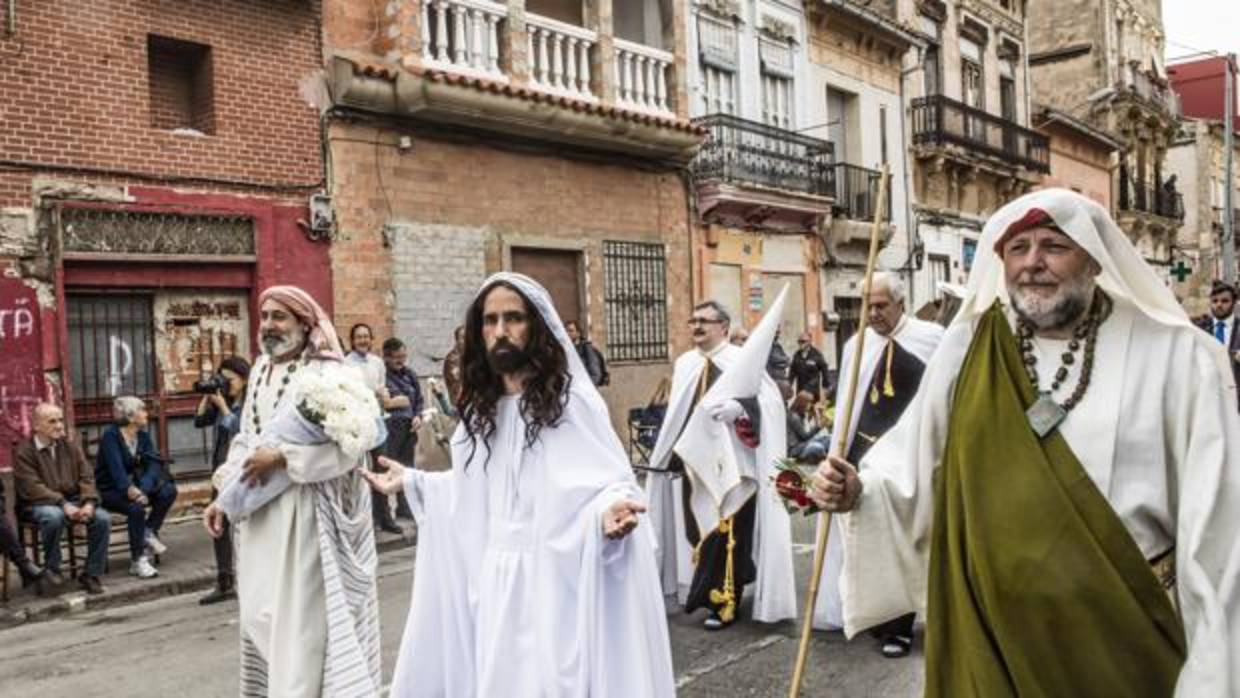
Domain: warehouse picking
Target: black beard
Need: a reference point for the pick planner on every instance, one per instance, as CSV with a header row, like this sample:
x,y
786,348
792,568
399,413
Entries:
x,y
505,357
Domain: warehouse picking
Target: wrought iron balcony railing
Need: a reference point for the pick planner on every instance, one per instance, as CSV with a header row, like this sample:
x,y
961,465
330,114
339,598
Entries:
x,y
739,151
938,120
1161,201
856,192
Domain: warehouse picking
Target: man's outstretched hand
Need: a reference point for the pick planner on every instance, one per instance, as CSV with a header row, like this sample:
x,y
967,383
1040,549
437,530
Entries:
x,y
388,482
835,486
621,518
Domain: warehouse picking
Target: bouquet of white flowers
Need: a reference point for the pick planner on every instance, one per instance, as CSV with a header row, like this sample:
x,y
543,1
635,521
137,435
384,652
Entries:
x,y
330,405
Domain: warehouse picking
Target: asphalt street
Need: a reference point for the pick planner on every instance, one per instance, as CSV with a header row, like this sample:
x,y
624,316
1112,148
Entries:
x,y
174,647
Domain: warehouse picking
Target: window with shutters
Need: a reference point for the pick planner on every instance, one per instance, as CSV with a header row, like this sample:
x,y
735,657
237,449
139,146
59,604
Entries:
x,y
778,95
717,50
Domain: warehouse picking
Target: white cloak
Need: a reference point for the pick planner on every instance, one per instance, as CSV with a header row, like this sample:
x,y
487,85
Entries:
x,y
775,586
516,591
919,338
280,586
1157,432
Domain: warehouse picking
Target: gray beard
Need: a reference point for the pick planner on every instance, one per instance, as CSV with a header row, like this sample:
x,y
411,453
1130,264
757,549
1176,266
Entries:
x,y
1058,311
280,346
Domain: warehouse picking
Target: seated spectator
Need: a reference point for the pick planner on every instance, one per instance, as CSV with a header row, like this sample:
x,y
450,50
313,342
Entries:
x,y
55,486
11,547
131,475
802,429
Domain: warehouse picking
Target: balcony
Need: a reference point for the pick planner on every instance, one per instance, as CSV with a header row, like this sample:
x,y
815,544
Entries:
x,y
1162,201
1157,93
540,74
753,175
470,37
856,192
939,121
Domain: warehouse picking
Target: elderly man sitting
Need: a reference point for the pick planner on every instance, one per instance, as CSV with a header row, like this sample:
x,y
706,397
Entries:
x,y
131,475
55,486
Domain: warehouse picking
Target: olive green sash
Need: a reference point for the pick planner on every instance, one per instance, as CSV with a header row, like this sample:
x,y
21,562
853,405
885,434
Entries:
x,y
1036,588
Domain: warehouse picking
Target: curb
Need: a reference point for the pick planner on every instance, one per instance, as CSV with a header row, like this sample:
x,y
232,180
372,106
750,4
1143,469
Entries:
x,y
76,602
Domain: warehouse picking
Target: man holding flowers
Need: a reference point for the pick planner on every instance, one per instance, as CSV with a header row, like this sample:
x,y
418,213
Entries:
x,y
306,553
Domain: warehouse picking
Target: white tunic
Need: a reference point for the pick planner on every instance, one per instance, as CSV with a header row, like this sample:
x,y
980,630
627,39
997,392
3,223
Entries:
x,y
279,574
1158,433
916,336
516,592
774,588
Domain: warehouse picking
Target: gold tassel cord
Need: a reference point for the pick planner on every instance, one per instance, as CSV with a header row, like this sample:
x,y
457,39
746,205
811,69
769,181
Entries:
x,y
888,388
725,598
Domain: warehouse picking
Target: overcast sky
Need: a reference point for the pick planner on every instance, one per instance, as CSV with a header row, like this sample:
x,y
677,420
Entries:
x,y
1202,25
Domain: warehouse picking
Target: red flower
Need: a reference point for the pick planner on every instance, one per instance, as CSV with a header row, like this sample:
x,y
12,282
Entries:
x,y
746,433
790,485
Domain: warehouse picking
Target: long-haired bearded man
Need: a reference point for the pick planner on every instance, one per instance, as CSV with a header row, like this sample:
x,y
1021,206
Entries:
x,y
533,578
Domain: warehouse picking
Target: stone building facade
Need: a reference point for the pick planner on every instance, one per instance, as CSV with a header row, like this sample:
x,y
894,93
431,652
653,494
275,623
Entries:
x,y
763,188
1197,159
1081,155
156,164
969,115
1103,62
541,136
856,54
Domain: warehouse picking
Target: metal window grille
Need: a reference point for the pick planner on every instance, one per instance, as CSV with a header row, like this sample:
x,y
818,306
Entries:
x,y
635,298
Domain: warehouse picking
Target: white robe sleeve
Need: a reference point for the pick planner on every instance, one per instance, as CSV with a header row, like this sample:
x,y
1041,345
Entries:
x,y
887,537
317,463
1204,446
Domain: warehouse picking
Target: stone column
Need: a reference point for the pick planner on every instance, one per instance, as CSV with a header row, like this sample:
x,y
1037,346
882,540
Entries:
x,y
514,45
675,38
599,18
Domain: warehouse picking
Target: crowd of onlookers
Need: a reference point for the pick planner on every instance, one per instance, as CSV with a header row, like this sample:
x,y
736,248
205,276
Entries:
x,y
57,485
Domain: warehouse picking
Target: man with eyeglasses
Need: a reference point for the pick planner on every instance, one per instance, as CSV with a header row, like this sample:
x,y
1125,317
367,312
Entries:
x,y
710,568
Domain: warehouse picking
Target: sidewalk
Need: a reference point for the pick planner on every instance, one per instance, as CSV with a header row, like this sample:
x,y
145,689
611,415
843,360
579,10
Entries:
x,y
189,565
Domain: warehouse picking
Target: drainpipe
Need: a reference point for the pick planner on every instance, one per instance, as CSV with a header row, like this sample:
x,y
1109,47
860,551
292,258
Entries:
x,y
910,231
1229,186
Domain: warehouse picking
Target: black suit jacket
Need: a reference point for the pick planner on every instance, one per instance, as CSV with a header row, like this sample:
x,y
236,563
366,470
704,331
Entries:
x,y
1233,345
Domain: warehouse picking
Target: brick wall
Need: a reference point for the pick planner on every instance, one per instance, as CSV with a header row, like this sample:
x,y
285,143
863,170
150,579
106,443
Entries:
x,y
74,90
453,208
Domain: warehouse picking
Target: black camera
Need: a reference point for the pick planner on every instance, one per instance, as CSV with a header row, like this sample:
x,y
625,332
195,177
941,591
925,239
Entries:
x,y
215,384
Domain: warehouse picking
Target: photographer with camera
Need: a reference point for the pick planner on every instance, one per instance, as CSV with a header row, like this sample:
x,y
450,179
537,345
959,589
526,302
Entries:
x,y
223,396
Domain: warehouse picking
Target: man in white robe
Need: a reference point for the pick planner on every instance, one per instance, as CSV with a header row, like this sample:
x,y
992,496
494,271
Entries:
x,y
529,581
689,530
897,348
306,559
1152,454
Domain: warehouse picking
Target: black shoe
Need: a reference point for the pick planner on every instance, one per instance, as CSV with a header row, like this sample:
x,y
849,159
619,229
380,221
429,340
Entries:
x,y
90,584
217,595
53,577
29,571
391,527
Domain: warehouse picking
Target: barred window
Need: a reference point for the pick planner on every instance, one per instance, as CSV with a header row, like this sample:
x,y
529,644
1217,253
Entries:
x,y
635,300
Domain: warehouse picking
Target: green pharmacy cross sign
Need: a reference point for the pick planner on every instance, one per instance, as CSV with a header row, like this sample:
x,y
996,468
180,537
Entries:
x,y
1181,271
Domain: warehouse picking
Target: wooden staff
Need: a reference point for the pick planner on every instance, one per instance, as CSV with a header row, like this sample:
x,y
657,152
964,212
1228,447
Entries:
x,y
820,547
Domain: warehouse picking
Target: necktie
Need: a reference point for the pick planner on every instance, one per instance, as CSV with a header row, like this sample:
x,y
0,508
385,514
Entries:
x,y
1219,329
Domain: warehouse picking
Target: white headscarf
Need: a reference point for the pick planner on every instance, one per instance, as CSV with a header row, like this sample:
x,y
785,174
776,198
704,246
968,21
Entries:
x,y
1124,273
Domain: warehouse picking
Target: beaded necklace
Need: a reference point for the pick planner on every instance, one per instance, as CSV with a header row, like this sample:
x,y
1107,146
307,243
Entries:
x,y
266,380
1045,414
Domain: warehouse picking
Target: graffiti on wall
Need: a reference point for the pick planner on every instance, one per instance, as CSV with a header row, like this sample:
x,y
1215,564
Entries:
x,y
22,385
195,331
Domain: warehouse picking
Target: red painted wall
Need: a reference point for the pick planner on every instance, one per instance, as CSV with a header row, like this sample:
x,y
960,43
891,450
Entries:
x,y
1200,85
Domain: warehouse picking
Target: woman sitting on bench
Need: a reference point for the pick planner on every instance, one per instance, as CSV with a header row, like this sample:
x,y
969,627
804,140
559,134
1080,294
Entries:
x,y
130,476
